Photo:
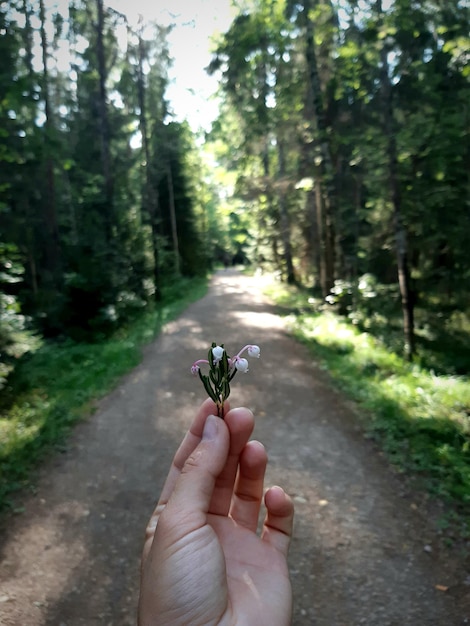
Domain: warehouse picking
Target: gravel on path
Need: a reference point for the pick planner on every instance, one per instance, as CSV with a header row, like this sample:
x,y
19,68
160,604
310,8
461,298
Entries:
x,y
363,552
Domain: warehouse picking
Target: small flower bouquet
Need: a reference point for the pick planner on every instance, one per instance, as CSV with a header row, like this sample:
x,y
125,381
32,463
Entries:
x,y
222,369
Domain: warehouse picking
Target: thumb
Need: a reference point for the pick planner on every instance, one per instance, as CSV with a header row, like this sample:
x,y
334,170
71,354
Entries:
x,y
189,503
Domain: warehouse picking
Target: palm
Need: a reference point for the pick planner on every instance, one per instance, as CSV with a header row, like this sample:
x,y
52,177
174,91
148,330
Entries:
x,y
255,569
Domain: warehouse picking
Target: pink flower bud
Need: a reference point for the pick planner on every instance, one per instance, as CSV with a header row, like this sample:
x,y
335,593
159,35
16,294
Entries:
x,y
254,352
241,365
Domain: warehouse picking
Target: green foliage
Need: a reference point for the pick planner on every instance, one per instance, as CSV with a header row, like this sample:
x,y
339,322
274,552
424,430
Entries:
x,y
382,91
173,144
84,203
56,385
15,339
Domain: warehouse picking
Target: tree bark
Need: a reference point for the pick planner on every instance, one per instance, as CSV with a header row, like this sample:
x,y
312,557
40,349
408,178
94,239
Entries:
x,y
395,195
150,194
174,229
322,246
28,39
313,234
285,226
52,247
104,121
324,172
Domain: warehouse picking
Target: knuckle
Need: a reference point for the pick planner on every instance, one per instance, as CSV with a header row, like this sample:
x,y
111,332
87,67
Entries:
x,y
192,462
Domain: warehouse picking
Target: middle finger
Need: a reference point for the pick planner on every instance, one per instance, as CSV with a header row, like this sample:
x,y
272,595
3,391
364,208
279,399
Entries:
x,y
240,423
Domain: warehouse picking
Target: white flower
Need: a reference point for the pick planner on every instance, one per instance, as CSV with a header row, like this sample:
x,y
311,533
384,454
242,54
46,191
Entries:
x,y
254,352
241,365
218,352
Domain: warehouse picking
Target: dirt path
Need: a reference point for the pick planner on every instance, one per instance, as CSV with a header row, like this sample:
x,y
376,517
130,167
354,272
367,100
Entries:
x,y
363,552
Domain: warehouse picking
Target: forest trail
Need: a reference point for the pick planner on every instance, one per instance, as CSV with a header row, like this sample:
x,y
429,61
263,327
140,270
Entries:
x,y
363,552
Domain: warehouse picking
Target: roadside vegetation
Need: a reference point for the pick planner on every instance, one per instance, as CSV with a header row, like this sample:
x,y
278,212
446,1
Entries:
x,y
418,412
56,383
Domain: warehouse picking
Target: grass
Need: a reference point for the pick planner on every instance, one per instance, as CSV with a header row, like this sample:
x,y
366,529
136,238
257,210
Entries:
x,y
421,419
55,386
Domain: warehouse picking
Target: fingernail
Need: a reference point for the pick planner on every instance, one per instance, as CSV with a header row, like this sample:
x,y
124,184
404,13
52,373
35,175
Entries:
x,y
210,427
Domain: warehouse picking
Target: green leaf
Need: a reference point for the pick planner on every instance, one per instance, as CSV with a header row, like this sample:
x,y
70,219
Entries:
x,y
207,386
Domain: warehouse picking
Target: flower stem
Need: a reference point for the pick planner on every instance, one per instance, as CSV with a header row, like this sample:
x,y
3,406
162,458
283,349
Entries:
x,y
220,409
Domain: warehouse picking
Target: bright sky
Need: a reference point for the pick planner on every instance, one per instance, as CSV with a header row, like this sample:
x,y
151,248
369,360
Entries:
x,y
196,21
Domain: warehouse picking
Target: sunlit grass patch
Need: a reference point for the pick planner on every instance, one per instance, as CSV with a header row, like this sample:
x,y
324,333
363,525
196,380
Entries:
x,y
421,419
55,386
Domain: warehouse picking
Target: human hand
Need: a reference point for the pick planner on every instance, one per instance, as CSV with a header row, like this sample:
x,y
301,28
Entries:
x,y
203,562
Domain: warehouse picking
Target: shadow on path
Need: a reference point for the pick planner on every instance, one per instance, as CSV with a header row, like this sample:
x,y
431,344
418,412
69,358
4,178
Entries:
x,y
361,554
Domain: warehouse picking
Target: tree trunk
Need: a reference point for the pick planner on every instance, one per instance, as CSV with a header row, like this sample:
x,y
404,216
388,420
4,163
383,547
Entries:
x,y
322,245
104,121
150,194
324,175
174,230
395,195
52,247
30,241
313,236
285,226
28,39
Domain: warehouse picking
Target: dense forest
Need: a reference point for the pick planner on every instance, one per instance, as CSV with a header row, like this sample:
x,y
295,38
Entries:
x,y
102,196
348,124
346,127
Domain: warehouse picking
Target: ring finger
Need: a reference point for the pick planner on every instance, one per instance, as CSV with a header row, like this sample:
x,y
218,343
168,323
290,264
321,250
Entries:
x,y
248,492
